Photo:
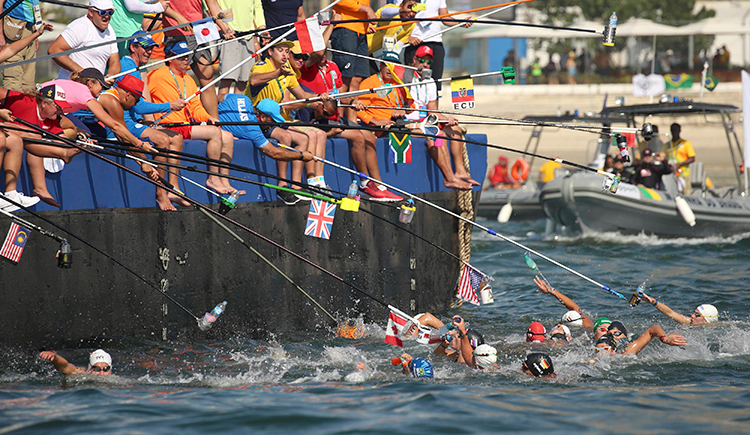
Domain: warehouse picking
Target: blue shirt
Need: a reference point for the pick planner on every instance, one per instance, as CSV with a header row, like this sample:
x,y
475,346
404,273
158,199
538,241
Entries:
x,y
24,11
239,108
143,107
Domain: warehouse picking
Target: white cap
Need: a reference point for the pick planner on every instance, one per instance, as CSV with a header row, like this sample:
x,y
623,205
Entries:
x,y
572,318
485,356
99,356
709,312
102,5
565,329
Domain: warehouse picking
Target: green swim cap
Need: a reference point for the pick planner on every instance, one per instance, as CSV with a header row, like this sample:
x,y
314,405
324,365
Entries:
x,y
601,321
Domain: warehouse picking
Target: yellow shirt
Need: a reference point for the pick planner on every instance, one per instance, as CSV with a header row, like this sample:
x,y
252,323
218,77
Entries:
x,y
547,171
273,89
679,152
401,33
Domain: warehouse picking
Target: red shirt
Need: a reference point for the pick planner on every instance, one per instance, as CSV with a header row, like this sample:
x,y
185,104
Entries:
x,y
318,82
24,107
192,10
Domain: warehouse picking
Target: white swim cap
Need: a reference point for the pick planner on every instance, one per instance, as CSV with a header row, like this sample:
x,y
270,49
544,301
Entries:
x,y
572,318
485,356
709,312
99,356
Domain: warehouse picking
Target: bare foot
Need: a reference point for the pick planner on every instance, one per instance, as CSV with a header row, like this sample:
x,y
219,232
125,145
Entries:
x,y
69,154
226,184
178,200
164,203
218,187
457,184
467,179
46,197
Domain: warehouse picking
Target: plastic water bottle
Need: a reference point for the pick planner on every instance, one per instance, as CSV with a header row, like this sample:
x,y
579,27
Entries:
x,y
229,203
638,295
208,319
407,212
609,31
613,20
353,190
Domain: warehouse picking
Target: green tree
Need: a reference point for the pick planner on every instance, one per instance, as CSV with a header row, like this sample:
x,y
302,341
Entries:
x,y
672,12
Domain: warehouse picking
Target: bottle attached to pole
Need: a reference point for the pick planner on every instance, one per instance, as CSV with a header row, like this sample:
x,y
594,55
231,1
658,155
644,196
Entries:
x,y
208,320
65,256
353,190
229,203
638,295
407,212
609,31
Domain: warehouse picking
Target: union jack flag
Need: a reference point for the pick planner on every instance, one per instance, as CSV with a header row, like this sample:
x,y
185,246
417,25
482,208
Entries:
x,y
468,285
15,242
320,219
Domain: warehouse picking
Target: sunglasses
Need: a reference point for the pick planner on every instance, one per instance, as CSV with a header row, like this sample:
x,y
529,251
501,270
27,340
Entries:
x,y
101,369
300,56
482,354
146,46
603,348
602,329
104,13
423,60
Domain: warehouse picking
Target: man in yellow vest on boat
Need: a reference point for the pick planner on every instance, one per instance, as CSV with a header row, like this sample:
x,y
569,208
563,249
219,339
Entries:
x,y
682,153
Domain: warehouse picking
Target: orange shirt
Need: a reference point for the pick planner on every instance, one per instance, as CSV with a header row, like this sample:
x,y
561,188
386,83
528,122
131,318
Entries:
x,y
165,87
395,98
349,11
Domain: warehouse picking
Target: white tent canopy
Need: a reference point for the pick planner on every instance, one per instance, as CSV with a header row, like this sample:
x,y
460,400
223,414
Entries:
x,y
715,26
644,27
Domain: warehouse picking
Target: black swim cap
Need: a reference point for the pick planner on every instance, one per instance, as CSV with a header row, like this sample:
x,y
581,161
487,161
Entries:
x,y
475,338
617,324
608,340
539,364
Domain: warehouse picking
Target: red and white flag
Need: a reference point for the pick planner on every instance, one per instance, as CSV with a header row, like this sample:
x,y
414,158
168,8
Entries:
x,y
309,35
396,322
468,285
206,32
15,242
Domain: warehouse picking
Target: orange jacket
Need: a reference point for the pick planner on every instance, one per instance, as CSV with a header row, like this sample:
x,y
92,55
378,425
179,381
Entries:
x,y
165,88
395,98
349,11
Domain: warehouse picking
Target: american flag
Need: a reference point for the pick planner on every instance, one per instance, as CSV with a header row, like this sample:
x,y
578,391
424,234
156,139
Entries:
x,y
468,285
15,242
320,219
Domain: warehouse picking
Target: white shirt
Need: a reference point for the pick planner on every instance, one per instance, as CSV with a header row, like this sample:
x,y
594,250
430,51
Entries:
x,y
81,33
424,29
422,95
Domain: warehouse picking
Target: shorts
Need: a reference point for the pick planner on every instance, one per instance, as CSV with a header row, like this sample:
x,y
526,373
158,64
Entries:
x,y
136,128
233,53
193,45
352,42
185,130
267,130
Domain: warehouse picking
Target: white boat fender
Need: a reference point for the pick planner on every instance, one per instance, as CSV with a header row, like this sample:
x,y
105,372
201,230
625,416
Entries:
x,y
505,212
684,208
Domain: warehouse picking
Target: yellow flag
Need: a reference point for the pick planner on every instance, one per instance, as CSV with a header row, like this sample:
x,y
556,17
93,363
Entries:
x,y
462,93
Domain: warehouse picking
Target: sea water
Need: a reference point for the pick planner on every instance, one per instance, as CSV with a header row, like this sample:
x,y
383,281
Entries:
x,y
312,385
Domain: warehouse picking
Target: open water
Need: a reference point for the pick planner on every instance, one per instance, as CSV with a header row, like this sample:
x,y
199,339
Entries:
x,y
313,386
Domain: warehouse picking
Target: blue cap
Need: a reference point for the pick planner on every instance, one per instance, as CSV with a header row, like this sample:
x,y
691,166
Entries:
x,y
391,56
270,108
141,37
177,48
420,368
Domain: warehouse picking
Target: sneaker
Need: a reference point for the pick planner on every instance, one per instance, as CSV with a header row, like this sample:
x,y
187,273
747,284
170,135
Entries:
x,y
26,201
380,193
304,197
288,197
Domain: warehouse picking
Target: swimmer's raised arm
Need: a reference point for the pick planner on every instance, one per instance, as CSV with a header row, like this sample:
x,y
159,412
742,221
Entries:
x,y
654,332
566,301
61,364
664,309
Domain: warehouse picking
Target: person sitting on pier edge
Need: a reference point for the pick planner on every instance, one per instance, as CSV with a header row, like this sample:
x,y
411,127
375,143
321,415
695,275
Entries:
x,y
538,365
545,288
376,115
274,78
425,98
100,363
650,171
171,82
702,315
140,48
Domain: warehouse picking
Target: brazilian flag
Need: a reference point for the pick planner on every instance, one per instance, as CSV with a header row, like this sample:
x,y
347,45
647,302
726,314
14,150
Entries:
x,y
711,82
675,81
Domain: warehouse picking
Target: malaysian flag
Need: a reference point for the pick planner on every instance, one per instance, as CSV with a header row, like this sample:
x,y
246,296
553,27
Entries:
x,y
15,242
320,219
396,322
468,285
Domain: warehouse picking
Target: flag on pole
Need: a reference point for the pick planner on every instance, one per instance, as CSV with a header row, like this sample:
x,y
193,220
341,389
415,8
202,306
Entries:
x,y
629,136
468,285
396,322
15,242
746,118
462,93
309,35
206,32
710,83
646,86
400,143
320,219
676,81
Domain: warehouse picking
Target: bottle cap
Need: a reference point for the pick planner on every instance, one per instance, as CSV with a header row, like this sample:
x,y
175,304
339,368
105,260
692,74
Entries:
x,y
396,361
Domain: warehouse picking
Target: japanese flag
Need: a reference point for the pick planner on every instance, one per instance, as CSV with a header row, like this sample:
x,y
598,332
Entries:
x,y
309,35
206,32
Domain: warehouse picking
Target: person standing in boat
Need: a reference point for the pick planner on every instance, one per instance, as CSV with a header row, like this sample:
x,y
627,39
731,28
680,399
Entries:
x,y
498,176
618,167
100,363
649,172
681,154
702,315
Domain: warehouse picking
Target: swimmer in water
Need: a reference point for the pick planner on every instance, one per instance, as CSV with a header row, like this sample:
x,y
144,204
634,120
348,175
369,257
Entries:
x,y
100,363
538,365
702,315
617,338
580,320
417,367
483,357
600,327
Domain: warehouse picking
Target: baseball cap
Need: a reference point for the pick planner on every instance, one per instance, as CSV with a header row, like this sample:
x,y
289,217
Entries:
x,y
572,318
420,368
56,94
539,364
647,152
142,37
132,84
296,48
177,48
285,43
391,56
424,51
709,312
93,73
536,332
99,356
270,108
485,356
601,321
102,5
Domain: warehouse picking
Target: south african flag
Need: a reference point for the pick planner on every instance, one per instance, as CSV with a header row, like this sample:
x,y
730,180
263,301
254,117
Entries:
x,y
400,143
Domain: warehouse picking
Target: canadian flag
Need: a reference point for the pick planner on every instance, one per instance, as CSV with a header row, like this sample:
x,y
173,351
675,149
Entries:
x,y
309,35
396,322
206,32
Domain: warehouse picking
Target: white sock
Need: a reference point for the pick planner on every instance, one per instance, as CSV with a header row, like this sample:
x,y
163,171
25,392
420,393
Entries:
x,y
363,183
